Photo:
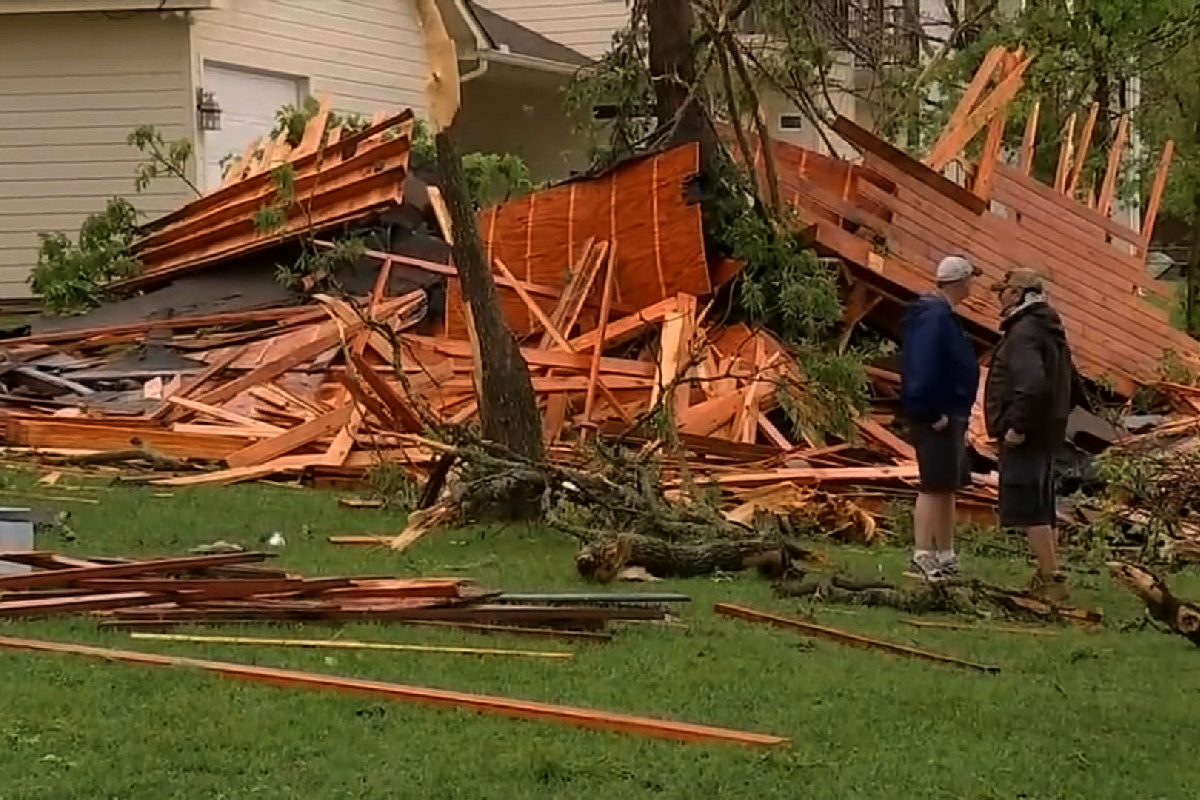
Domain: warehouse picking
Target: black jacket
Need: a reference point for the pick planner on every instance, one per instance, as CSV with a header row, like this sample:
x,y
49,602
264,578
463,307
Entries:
x,y
1032,383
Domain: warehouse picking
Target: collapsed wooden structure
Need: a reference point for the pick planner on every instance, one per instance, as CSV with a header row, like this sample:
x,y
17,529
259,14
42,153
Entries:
x,y
891,218
606,280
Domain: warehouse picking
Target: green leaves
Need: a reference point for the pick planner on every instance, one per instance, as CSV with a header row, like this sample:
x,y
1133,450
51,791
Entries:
x,y
69,277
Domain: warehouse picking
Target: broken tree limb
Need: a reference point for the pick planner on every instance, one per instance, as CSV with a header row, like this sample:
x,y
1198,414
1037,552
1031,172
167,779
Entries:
x,y
845,637
578,717
1182,617
604,560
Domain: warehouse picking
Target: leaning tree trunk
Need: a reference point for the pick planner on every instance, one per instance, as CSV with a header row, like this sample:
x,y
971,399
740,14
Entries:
x,y
673,73
507,405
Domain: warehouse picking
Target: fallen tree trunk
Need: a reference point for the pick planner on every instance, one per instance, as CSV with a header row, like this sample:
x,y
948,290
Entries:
x,y
1180,616
604,560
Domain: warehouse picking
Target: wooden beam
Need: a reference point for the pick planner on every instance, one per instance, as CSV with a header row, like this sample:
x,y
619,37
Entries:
x,y
953,141
1066,143
268,449
989,157
578,717
1085,142
1156,193
601,331
60,578
867,142
845,637
1029,141
970,96
1109,187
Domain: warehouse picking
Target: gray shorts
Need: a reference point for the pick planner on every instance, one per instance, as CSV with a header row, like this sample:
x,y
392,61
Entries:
x,y
1027,496
941,456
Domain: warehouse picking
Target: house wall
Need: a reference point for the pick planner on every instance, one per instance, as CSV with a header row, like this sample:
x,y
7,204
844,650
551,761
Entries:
x,y
534,125
72,86
584,25
366,55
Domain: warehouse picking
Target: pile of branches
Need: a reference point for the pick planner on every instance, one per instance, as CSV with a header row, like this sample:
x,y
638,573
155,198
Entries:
x,y
971,598
611,503
1150,507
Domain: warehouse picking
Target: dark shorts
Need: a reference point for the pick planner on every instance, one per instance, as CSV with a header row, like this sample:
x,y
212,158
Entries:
x,y
1026,487
942,456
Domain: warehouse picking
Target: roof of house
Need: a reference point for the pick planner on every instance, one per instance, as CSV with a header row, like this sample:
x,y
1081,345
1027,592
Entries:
x,y
519,40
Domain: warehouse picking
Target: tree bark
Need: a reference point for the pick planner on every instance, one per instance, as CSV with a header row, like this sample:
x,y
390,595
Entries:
x,y
673,73
1182,617
507,404
604,560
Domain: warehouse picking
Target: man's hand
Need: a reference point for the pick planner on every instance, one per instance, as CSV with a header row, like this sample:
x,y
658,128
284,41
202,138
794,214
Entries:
x,y
1012,438
941,423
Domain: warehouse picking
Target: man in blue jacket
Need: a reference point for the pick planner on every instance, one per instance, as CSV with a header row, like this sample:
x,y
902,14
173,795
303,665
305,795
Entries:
x,y
939,377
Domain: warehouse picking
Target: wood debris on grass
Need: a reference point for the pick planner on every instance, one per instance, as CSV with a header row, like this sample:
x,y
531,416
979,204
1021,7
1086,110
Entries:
x,y
233,587
503,706
216,375
845,637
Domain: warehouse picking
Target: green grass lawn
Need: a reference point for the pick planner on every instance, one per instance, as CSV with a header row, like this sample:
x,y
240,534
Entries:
x,y
1080,714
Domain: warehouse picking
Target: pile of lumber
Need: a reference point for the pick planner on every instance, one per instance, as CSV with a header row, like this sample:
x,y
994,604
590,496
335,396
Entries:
x,y
606,281
232,587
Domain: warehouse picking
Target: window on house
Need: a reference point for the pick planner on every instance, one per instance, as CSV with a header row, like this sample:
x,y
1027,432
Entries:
x,y
790,122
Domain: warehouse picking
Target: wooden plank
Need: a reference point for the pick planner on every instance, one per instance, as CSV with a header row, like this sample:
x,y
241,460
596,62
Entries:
x,y
268,449
61,578
533,307
601,331
225,415
578,717
1029,140
78,434
50,606
1156,193
845,637
1085,142
907,472
401,410
1113,171
1064,155
351,644
898,446
970,97
949,147
868,142
989,157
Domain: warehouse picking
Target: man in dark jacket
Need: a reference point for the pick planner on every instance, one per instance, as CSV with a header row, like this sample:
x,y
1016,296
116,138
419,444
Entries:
x,y
939,377
1032,385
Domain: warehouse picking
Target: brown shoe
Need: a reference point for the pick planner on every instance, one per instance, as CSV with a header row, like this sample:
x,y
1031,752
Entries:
x,y
1052,589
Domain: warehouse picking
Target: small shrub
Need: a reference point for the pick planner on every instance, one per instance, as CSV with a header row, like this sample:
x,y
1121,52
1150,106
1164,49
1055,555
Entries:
x,y
69,277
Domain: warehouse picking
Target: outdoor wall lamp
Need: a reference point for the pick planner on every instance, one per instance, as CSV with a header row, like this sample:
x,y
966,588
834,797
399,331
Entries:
x,y
208,111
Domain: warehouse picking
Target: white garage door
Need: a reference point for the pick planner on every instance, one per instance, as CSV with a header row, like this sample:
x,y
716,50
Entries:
x,y
248,103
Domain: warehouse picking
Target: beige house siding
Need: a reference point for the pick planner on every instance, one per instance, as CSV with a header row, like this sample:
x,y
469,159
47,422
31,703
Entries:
x,y
72,86
534,128
366,54
584,25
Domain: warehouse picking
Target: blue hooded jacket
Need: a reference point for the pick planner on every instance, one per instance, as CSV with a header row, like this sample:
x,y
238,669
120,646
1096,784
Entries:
x,y
938,371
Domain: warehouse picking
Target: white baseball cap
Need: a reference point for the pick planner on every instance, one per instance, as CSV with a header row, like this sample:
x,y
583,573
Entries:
x,y
953,269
